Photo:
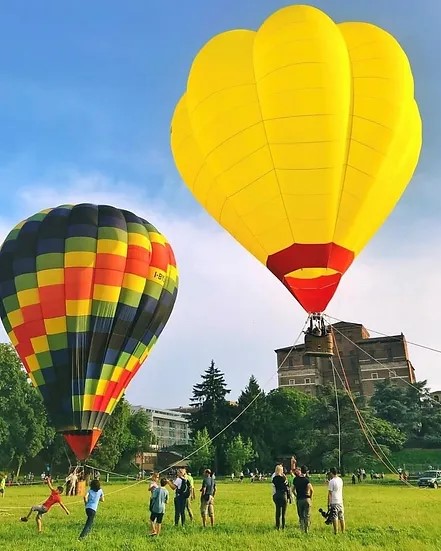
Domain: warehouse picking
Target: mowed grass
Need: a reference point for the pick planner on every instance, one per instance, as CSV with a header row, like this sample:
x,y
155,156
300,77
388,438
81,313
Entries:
x,y
378,517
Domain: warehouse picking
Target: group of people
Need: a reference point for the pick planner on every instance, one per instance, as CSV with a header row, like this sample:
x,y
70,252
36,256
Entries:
x,y
299,487
183,485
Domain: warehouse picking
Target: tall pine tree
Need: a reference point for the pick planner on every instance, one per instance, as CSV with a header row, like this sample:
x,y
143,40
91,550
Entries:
x,y
212,411
209,399
254,422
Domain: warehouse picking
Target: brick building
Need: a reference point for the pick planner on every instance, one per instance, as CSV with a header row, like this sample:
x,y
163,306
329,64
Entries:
x,y
357,350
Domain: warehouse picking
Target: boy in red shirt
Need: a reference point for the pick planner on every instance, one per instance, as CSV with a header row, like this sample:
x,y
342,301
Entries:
x,y
44,507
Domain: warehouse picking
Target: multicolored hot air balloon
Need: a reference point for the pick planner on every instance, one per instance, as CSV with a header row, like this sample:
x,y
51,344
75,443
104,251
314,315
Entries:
x,y
85,292
299,139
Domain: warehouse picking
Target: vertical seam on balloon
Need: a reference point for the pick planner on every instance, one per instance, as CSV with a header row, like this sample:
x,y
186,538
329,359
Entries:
x,y
156,316
89,331
144,224
348,148
148,326
99,415
271,153
122,348
35,272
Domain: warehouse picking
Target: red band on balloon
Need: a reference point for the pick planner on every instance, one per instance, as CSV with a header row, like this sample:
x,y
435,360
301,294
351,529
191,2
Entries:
x,y
313,255
82,443
313,294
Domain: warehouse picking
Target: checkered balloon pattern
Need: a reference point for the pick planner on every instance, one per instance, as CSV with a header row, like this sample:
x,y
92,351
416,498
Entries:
x,y
85,292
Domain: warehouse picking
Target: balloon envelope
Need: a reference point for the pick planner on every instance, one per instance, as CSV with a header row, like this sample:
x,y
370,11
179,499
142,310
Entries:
x,y
299,139
85,292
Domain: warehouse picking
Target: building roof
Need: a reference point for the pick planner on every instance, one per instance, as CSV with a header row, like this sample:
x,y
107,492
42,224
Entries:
x,y
387,338
288,348
345,324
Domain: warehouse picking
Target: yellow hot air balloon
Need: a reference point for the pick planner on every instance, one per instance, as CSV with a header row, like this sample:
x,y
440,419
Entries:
x,y
299,139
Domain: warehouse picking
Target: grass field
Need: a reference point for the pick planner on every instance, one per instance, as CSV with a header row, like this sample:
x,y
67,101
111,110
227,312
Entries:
x,y
378,517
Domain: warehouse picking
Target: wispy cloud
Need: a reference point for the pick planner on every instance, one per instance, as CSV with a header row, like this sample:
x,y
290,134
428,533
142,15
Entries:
x,y
232,309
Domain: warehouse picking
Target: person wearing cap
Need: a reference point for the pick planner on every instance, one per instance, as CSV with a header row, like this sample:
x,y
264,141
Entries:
x,y
208,491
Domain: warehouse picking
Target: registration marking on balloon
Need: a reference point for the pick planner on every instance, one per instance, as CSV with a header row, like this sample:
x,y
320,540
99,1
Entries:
x,y
85,291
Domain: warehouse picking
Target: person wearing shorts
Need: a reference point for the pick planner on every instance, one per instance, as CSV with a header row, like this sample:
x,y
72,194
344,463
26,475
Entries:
x,y
157,507
44,507
335,501
208,491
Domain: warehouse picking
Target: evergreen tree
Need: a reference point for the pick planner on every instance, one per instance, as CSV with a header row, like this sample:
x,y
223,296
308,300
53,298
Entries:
x,y
212,409
253,423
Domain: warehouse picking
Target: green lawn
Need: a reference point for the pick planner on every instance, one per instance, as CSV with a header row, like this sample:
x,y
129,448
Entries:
x,y
378,517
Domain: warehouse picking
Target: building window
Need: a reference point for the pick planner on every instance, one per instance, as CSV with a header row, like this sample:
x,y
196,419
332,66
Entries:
x,y
374,376
307,381
291,382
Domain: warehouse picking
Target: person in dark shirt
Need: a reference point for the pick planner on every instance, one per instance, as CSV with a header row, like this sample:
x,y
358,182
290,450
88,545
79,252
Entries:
x,y
281,495
208,492
303,491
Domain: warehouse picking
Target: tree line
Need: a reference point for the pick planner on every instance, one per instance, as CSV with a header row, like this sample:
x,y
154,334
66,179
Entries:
x,y
270,426
285,422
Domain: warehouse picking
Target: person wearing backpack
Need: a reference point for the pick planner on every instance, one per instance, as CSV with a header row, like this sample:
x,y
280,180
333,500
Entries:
x,y
183,490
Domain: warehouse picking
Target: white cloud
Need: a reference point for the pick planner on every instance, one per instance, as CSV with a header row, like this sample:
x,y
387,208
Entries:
x,y
231,309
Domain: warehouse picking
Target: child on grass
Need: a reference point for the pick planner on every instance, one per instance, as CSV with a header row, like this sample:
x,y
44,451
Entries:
x,y
44,507
157,507
91,501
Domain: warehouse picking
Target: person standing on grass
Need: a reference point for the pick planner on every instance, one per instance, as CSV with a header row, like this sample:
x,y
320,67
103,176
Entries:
x,y
303,491
154,483
335,501
190,479
281,495
91,501
208,491
2,484
44,507
182,487
73,479
159,500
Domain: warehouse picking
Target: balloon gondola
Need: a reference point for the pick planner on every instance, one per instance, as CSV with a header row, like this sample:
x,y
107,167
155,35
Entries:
x,y
85,291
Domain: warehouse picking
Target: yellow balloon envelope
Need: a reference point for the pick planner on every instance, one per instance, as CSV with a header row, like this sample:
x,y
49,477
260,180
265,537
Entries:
x,y
299,139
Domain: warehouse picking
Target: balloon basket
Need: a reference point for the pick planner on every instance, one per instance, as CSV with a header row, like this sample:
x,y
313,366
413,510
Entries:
x,y
318,338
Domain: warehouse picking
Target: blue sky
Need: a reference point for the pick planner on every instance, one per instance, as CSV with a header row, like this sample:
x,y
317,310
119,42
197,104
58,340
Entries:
x,y
87,90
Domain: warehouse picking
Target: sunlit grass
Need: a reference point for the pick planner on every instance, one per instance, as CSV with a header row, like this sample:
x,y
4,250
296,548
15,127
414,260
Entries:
x,y
378,517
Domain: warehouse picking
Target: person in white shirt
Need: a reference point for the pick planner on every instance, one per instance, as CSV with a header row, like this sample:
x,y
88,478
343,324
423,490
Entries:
x,y
335,501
